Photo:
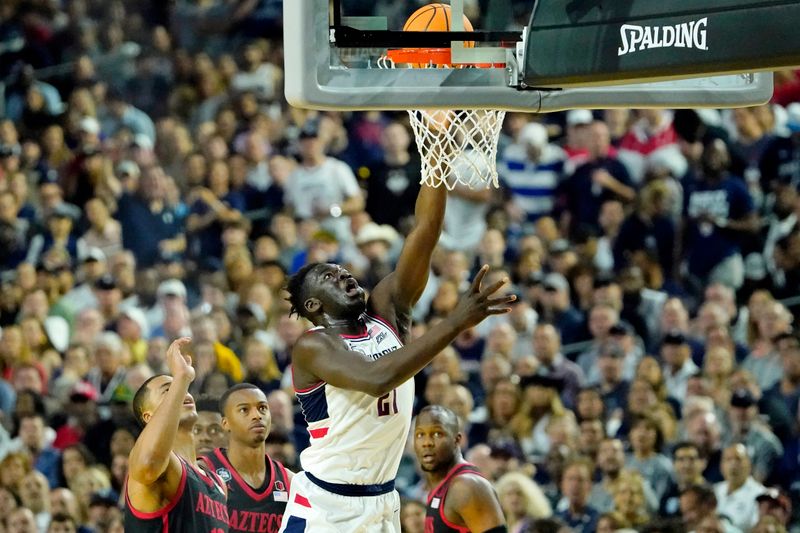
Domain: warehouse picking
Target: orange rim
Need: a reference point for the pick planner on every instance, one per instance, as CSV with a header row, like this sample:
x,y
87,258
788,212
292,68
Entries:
x,y
440,57
420,56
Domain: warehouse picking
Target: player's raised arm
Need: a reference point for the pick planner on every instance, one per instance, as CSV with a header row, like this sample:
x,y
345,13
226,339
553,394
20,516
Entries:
x,y
152,454
403,287
328,359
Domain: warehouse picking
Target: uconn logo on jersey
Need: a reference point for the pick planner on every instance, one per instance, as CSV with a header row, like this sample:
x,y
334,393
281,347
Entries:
x,y
686,35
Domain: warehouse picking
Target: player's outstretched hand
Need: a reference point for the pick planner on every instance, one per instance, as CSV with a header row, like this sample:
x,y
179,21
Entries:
x,y
477,303
179,363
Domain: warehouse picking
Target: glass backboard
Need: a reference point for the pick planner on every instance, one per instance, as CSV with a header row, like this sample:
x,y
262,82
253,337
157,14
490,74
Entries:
x,y
326,71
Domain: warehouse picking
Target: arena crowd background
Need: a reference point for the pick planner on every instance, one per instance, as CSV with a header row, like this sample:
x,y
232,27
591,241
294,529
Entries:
x,y
154,183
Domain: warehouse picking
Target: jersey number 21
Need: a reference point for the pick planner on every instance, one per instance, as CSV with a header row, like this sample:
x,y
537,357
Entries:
x,y
387,404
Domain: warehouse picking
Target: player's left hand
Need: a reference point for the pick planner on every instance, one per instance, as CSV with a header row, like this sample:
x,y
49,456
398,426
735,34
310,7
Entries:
x,y
179,363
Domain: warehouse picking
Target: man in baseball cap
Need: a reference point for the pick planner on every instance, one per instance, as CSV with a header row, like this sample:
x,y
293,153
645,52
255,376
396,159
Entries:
x,y
172,288
764,448
134,330
577,124
678,365
557,308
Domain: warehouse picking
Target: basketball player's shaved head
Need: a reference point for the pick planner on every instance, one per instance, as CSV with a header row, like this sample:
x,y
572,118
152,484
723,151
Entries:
x,y
441,415
437,439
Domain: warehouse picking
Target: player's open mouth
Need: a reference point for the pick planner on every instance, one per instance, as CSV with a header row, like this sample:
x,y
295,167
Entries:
x,y
188,402
351,287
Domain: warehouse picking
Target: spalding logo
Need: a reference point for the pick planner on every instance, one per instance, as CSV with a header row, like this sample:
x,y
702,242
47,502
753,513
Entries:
x,y
223,474
691,34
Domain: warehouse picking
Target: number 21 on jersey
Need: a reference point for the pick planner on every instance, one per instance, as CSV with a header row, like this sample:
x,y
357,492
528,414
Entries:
x,y
387,404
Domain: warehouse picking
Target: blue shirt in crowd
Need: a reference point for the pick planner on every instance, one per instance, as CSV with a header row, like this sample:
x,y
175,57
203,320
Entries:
x,y
143,230
710,244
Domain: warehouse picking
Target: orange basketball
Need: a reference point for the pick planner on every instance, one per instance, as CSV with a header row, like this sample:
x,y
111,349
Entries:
x,y
434,17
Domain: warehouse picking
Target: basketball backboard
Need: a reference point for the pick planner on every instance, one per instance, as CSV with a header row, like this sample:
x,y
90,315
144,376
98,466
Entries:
x,y
333,61
611,42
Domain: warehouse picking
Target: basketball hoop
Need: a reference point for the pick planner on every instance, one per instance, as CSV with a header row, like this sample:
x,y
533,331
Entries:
x,y
456,146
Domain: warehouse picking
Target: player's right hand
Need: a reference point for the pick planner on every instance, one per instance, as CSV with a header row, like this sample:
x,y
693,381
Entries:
x,y
179,363
477,303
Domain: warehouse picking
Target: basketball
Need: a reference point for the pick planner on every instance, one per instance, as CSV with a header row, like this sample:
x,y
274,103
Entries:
x,y
434,17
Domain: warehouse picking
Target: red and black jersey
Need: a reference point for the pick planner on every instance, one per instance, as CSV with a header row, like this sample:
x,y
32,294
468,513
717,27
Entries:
x,y
435,521
197,507
252,510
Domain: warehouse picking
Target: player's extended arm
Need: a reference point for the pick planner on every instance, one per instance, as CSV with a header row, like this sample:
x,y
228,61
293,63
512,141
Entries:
x,y
152,454
405,285
472,498
328,359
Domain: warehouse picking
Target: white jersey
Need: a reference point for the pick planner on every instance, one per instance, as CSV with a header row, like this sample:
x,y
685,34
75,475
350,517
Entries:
x,y
358,439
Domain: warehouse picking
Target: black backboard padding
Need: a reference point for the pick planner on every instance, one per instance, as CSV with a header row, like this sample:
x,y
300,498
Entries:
x,y
578,42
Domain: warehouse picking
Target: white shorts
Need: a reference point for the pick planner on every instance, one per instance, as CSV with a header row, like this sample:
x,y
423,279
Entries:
x,y
314,509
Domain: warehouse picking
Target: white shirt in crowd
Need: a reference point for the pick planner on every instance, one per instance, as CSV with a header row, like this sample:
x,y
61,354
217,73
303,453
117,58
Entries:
x,y
465,219
740,506
676,383
313,189
261,81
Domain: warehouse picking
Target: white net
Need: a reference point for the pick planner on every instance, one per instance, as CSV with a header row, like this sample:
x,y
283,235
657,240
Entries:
x,y
456,146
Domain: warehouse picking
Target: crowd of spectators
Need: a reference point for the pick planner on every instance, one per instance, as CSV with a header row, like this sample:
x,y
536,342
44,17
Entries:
x,y
154,183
